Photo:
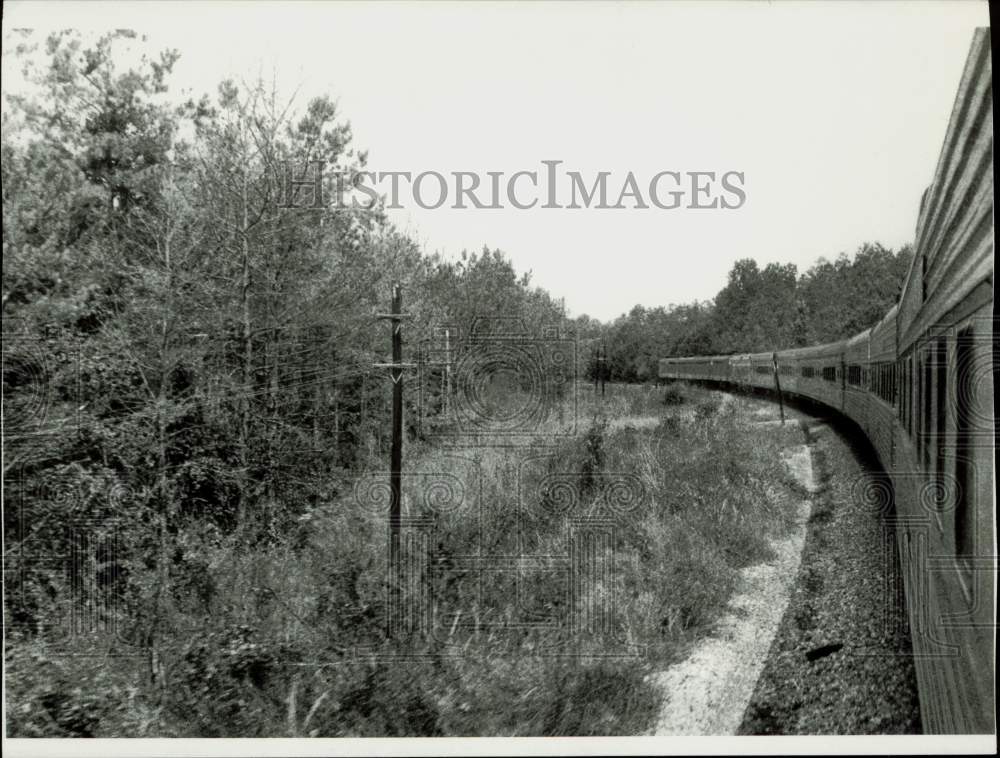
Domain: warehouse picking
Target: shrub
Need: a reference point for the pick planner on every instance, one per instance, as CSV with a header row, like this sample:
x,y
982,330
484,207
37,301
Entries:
x,y
706,409
673,395
670,426
593,453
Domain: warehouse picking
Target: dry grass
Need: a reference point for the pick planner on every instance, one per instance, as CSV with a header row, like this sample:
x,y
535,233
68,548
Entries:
x,y
291,638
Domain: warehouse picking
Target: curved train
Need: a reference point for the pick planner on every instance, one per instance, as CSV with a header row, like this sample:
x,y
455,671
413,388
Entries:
x,y
920,386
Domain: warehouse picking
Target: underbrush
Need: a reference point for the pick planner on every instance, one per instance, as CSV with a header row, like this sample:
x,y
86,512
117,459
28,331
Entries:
x,y
543,584
673,394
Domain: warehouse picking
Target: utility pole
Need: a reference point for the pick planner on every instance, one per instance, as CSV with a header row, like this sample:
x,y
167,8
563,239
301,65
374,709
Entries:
x,y
395,458
560,396
445,367
597,368
447,373
777,386
604,366
422,363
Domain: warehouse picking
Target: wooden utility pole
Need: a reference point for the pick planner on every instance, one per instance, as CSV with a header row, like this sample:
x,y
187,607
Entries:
x,y
560,396
447,373
777,386
597,368
396,454
395,458
604,366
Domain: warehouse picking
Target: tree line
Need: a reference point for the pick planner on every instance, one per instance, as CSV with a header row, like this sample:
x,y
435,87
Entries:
x,y
758,310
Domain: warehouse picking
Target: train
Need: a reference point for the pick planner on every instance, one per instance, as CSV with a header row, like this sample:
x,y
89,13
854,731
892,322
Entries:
x,y
919,385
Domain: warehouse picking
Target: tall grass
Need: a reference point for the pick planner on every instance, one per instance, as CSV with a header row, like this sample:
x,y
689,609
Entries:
x,y
290,640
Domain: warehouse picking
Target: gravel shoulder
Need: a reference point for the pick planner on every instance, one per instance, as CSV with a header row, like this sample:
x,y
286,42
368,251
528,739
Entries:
x,y
814,641
708,692
840,662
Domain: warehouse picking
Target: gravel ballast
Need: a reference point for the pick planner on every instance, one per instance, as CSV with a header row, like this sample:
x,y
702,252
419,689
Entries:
x,y
841,660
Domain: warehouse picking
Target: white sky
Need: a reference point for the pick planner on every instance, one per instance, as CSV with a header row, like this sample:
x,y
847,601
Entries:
x,y
835,112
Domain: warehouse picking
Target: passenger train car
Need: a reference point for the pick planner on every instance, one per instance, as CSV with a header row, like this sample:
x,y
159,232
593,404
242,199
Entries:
x,y
920,386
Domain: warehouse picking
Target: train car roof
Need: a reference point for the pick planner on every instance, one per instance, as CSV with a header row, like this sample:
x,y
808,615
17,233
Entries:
x,y
968,82
888,322
697,358
815,350
857,339
888,316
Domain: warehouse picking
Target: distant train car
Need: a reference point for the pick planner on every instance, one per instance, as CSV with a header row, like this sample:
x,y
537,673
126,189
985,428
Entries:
x,y
920,385
855,369
880,418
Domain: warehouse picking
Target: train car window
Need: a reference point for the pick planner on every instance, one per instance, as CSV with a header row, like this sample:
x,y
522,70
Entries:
x,y
941,369
830,373
925,422
904,389
808,372
964,389
910,394
918,403
902,393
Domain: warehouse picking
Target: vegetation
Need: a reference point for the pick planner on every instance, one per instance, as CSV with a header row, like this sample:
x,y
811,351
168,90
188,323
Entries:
x,y
192,414
288,639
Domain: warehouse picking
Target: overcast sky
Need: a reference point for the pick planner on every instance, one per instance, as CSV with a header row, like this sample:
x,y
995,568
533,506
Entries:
x,y
834,112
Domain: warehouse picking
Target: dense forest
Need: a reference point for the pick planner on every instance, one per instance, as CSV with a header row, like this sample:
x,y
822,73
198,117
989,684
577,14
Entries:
x,y
190,363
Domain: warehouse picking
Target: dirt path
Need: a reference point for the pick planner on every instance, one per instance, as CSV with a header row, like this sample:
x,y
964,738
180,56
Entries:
x,y
708,693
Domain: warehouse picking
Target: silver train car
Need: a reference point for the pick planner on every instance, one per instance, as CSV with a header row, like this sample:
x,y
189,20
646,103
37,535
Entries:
x,y
919,384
